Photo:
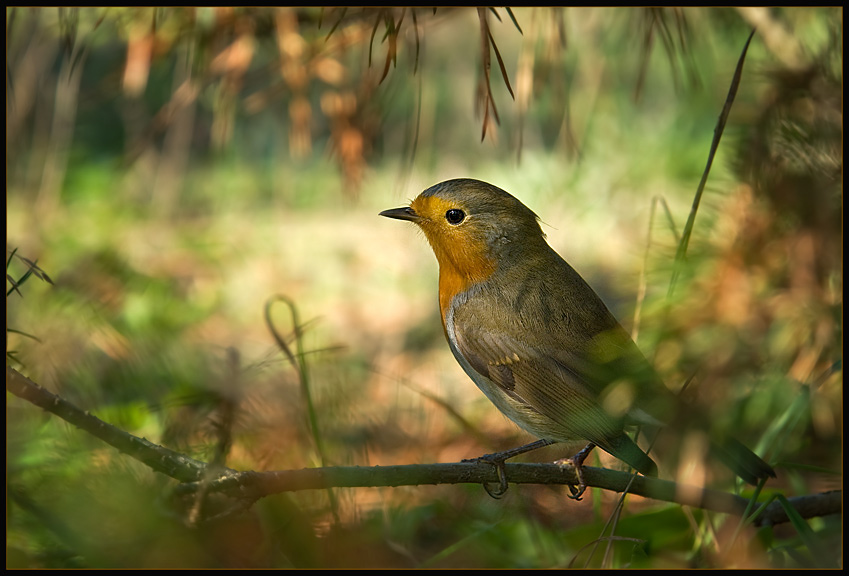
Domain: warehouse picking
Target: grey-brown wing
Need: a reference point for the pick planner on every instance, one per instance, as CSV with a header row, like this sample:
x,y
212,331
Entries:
x,y
549,386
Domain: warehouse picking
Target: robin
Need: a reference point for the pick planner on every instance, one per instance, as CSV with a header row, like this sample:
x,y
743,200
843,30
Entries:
x,y
534,336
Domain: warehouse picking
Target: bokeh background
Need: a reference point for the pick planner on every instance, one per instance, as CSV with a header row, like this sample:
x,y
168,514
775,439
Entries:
x,y
174,169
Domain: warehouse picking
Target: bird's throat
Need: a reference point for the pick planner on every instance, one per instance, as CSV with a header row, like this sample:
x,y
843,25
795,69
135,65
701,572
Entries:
x,y
457,277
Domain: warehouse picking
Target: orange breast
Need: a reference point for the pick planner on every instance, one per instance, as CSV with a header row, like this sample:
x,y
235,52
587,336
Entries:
x,y
458,273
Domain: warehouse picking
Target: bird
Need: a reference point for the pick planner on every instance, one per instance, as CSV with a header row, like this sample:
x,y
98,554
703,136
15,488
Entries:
x,y
535,337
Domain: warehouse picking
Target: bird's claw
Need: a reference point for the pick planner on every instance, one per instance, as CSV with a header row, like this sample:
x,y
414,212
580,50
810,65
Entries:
x,y
577,461
577,491
496,460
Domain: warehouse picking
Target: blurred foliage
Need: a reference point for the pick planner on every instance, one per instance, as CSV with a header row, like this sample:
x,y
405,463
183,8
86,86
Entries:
x,y
172,169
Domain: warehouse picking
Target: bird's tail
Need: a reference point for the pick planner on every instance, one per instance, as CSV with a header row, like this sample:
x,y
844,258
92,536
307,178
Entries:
x,y
735,455
625,449
740,460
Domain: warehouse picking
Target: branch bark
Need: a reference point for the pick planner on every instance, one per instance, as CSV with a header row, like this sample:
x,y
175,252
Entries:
x,y
161,459
194,475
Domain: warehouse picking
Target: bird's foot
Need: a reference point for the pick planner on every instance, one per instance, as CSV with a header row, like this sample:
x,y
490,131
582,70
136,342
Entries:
x,y
501,490
498,459
577,461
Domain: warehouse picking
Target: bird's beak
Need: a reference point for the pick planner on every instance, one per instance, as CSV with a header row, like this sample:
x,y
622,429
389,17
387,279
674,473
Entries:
x,y
405,213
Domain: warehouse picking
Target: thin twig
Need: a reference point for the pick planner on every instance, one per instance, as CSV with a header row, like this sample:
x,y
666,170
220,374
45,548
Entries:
x,y
300,365
717,136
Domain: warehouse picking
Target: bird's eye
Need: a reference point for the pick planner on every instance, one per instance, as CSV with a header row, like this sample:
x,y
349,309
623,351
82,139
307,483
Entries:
x,y
455,216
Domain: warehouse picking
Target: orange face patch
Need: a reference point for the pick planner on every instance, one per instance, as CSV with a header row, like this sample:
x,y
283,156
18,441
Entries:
x,y
461,249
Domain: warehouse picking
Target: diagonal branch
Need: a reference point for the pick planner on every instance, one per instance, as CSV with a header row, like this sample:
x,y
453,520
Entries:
x,y
161,459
